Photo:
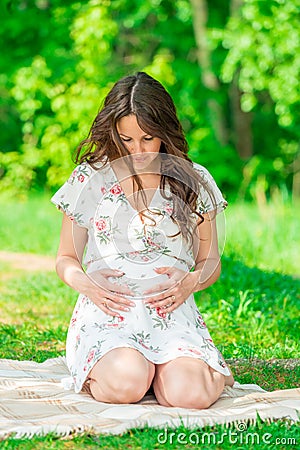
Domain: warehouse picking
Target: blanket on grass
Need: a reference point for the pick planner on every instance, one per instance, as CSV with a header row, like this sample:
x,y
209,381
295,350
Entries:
x,y
34,401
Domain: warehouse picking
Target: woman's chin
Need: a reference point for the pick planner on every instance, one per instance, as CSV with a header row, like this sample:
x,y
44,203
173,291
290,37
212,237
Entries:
x,y
143,163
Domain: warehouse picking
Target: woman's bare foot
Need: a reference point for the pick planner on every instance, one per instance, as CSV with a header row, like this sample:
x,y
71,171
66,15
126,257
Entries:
x,y
229,380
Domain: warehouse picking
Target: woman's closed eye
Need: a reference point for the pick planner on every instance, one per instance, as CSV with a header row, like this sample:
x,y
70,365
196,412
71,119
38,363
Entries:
x,y
150,138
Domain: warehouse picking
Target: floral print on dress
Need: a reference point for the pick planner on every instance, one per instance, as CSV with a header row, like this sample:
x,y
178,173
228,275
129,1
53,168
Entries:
x,y
104,229
115,193
92,355
168,208
191,350
150,251
143,340
205,201
221,360
77,341
119,239
115,322
199,322
79,174
77,217
160,318
208,344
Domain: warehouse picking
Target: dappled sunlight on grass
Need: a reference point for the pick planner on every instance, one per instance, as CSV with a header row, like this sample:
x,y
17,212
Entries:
x,y
252,313
29,342
267,238
36,298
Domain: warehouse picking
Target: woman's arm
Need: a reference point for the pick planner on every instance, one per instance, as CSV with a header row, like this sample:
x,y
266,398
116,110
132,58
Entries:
x,y
95,286
69,257
208,264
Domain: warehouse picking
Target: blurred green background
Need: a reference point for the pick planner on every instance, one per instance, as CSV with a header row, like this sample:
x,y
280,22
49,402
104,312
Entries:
x,y
232,68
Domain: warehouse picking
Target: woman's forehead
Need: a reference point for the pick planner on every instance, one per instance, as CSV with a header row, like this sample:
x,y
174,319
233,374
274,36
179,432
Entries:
x,y
129,124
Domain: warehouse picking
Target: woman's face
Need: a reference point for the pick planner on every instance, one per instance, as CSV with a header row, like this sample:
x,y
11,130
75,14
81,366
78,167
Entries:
x,y
142,146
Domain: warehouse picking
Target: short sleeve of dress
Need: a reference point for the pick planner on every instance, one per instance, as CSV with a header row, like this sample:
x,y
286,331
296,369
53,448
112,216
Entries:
x,y
75,195
210,197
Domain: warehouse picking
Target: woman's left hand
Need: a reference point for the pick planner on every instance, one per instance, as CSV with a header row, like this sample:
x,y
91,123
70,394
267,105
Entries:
x,y
177,289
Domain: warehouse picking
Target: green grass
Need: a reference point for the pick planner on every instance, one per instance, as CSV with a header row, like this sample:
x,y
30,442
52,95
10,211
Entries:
x,y
266,238
272,436
30,226
251,312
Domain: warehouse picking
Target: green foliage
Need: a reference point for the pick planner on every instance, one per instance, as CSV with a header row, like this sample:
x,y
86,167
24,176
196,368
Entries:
x,y
63,57
263,43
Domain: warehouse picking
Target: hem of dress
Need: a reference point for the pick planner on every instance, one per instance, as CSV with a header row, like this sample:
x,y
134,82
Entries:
x,y
212,364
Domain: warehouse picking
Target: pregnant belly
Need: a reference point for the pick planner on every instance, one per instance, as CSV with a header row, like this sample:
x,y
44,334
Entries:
x,y
137,276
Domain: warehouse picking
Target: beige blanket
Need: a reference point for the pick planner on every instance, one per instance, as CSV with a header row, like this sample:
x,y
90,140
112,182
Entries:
x,y
34,401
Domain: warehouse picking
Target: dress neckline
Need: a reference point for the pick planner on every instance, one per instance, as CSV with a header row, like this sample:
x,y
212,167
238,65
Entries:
x,y
117,182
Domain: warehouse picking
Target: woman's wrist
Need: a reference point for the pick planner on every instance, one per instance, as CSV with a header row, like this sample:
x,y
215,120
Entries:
x,y
71,273
206,275
83,283
195,280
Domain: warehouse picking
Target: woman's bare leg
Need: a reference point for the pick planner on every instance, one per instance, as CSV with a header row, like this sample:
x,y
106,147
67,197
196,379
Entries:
x,y
187,382
123,375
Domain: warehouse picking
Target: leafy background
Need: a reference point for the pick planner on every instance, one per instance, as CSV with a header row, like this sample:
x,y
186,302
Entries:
x,y
232,68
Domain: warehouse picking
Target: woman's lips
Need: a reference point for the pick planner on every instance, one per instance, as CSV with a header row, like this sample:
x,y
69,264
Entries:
x,y
139,160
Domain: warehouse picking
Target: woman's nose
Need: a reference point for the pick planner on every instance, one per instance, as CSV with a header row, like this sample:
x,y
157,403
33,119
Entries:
x,y
137,147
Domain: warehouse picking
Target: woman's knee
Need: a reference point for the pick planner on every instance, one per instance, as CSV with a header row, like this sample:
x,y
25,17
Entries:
x,y
129,385
125,379
185,384
127,391
193,395
195,398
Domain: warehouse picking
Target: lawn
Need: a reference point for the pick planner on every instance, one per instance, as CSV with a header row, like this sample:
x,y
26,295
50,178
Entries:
x,y
252,311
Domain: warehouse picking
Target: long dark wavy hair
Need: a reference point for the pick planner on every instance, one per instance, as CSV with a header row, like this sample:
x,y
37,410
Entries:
x,y
148,100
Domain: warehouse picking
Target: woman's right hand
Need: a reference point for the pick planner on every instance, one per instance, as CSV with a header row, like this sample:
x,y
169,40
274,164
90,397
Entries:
x,y
106,295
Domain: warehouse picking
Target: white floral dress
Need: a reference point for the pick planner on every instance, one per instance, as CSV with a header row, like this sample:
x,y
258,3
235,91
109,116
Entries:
x,y
119,239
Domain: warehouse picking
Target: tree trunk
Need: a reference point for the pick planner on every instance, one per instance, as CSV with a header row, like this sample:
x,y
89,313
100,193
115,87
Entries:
x,y
242,134
208,78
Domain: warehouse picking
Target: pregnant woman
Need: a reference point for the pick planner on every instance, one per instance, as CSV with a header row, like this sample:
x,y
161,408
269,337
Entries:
x,y
138,239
